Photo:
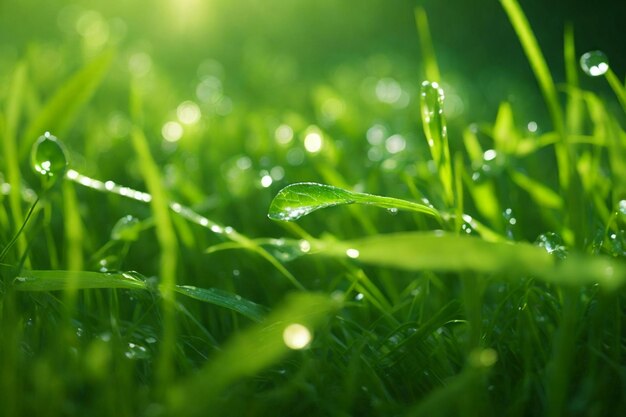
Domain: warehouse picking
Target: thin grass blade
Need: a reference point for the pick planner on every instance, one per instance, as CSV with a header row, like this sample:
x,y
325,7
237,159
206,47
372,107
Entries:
x,y
57,280
248,353
224,299
62,108
419,251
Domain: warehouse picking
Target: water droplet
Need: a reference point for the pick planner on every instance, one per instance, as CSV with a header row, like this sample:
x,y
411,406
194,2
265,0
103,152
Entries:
x,y
432,117
352,253
621,207
136,351
511,221
127,229
359,296
289,214
305,246
469,225
48,158
490,155
487,170
594,63
217,229
617,244
553,244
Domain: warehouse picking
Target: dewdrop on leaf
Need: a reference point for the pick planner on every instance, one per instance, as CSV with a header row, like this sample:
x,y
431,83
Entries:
x,y
48,158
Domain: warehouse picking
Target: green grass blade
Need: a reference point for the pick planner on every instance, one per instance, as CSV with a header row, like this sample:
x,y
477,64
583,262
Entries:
x,y
248,353
419,251
445,252
57,280
300,199
436,131
61,109
184,212
535,58
504,134
617,87
543,195
426,43
74,231
11,159
166,236
544,78
574,109
450,398
224,299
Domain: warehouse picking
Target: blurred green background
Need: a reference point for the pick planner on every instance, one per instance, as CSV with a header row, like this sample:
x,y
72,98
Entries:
x,y
264,46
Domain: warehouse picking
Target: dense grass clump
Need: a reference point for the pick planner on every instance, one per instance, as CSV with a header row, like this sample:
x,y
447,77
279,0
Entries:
x,y
354,254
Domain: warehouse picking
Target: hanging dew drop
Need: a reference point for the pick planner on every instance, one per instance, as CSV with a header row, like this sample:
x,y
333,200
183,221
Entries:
x,y
48,158
594,63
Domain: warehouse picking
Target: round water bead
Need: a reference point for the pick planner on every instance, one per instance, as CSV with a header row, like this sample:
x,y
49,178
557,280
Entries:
x,y
594,63
48,158
553,244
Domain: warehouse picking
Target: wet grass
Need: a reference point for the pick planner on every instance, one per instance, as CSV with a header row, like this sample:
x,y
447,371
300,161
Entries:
x,y
357,255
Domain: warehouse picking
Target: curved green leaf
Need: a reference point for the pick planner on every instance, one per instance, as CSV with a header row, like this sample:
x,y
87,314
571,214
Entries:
x,y
298,200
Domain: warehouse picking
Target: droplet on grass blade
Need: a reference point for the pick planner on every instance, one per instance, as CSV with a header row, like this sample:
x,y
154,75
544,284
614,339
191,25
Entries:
x,y
127,228
594,63
48,158
432,116
436,131
553,244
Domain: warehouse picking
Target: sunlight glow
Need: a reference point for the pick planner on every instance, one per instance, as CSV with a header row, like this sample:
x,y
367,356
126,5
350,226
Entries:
x,y
172,131
297,336
188,112
283,134
313,142
266,181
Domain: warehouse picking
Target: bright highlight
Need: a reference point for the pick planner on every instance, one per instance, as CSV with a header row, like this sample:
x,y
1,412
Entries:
x,y
297,336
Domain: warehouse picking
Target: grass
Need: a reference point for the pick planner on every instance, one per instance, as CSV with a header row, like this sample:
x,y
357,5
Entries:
x,y
311,261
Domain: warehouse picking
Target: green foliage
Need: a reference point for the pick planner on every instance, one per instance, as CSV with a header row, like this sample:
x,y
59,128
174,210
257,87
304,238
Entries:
x,y
492,282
